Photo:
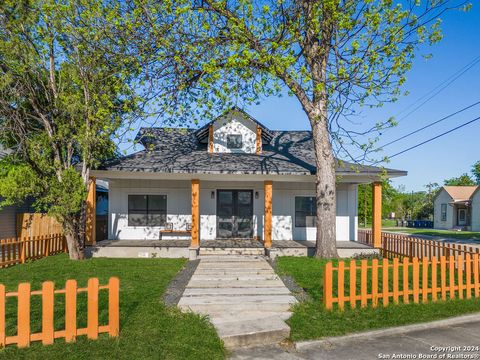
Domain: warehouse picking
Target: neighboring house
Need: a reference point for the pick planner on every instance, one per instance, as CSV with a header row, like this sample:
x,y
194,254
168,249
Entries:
x,y
229,167
457,207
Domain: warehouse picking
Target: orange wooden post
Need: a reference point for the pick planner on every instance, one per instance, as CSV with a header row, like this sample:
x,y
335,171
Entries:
x,y
268,193
195,243
460,276
406,275
377,214
23,250
70,310
363,283
434,278
341,284
113,306
23,316
92,307
443,277
327,285
468,276
476,275
353,284
91,213
451,274
425,287
416,279
374,282
2,317
47,312
258,143
385,287
395,280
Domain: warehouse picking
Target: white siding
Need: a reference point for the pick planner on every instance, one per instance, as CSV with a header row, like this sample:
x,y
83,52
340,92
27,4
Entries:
x,y
476,211
442,198
179,208
234,123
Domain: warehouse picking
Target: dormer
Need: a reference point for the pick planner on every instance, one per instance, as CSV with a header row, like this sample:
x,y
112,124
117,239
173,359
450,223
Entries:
x,y
234,132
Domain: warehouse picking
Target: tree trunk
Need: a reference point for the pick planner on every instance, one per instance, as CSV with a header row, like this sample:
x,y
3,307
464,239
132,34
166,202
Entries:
x,y
326,244
74,240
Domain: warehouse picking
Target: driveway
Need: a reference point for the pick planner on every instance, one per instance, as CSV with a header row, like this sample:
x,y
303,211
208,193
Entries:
x,y
436,340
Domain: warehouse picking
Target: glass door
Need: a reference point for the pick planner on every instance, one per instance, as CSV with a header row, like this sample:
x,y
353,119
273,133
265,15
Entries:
x,y
234,214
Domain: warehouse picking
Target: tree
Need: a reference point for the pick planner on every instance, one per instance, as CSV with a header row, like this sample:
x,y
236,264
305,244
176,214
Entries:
x,y
333,56
63,94
476,172
462,180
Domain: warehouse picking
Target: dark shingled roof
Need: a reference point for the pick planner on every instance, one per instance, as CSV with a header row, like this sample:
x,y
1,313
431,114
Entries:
x,y
180,151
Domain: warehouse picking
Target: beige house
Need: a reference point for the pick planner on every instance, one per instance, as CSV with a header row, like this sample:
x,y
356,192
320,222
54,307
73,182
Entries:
x,y
457,207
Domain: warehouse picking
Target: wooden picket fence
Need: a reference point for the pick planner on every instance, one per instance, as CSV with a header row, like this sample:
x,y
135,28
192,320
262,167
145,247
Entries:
x,y
19,250
406,281
70,331
400,246
37,224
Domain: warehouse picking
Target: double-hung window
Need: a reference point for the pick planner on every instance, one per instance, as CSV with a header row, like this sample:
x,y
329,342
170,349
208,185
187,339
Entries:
x,y
444,212
147,210
305,211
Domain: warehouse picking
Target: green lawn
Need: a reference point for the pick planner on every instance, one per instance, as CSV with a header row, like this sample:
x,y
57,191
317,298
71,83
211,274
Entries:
x,y
310,320
385,223
464,235
148,329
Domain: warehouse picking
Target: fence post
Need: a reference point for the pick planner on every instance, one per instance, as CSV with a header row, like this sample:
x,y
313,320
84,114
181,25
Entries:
x,y
70,311
434,278
92,306
2,316
327,285
113,306
406,291
23,316
23,250
48,301
476,280
410,250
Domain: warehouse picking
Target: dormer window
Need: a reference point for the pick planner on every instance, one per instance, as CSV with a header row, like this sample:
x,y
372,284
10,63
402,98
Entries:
x,y
234,141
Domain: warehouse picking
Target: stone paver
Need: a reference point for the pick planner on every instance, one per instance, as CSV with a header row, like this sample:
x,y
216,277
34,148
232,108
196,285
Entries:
x,y
244,298
430,342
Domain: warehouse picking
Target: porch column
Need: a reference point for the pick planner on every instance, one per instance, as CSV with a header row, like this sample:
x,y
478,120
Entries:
x,y
91,213
377,214
267,236
195,213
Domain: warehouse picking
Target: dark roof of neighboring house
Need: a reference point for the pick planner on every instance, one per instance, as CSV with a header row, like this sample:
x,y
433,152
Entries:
x,y
181,151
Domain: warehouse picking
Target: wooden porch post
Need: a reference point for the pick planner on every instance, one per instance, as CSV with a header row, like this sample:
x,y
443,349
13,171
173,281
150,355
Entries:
x,y
377,214
195,213
91,213
267,237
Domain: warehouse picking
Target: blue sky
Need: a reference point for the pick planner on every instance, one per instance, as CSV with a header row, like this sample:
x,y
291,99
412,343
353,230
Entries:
x,y
451,155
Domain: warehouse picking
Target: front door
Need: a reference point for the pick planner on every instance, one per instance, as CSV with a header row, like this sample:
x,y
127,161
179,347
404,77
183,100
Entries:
x,y
462,217
234,214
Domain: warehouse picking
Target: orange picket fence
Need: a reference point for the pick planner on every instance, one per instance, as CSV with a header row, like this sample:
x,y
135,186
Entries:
x,y
388,281
400,245
24,296
18,251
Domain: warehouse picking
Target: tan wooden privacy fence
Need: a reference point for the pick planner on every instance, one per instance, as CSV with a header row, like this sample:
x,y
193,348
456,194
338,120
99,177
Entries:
x,y
36,224
400,281
18,251
70,331
399,245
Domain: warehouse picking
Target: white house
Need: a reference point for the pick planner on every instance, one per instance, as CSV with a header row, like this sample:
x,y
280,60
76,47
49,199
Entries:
x,y
457,207
238,178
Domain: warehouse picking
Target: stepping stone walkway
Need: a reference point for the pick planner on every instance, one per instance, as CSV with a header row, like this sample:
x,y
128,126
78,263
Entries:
x,y
244,298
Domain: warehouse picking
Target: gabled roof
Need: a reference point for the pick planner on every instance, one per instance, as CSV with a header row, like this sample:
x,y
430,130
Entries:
x,y
180,151
460,193
202,133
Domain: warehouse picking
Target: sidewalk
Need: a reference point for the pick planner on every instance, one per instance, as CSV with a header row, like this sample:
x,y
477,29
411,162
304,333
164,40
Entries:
x,y
443,339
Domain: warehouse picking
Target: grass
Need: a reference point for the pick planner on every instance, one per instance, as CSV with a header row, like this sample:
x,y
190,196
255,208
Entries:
x,y
462,235
385,223
148,329
310,320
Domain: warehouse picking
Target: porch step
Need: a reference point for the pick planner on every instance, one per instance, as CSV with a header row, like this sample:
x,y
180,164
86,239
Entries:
x,y
230,251
236,291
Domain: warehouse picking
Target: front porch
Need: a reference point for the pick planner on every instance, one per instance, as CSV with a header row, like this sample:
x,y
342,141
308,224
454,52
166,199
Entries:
x,y
182,248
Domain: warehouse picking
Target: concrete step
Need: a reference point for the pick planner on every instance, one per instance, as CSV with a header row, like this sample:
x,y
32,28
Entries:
x,y
237,265
232,258
225,316
249,333
235,284
228,271
236,291
239,299
208,309
234,277
231,251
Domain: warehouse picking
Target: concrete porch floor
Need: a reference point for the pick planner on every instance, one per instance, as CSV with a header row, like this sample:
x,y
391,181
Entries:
x,y
181,248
